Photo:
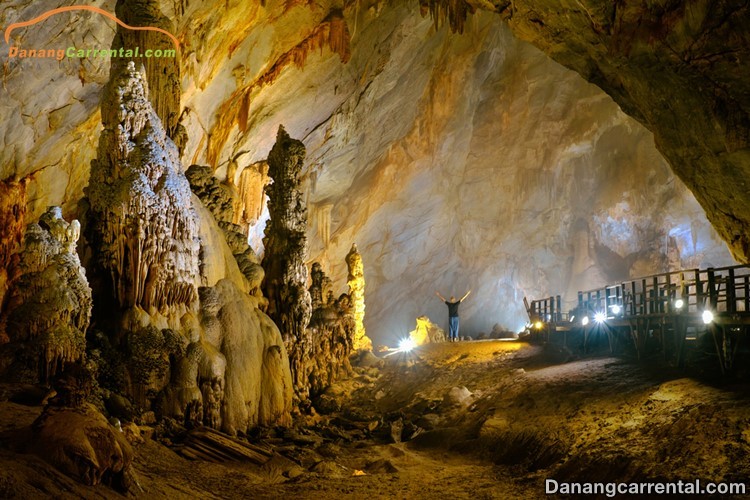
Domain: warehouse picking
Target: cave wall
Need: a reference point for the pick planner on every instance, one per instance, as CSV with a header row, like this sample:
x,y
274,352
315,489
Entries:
x,y
516,178
453,161
679,68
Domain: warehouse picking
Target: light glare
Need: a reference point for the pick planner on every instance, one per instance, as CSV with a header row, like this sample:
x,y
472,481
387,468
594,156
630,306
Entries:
x,y
679,303
538,325
406,345
585,321
708,316
616,309
600,317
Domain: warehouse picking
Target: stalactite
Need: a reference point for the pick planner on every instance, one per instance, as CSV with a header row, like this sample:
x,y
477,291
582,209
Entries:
x,y
356,282
49,304
285,245
454,12
142,222
332,32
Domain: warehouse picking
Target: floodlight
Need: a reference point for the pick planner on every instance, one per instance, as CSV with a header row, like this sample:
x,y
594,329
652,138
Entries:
x,y
406,345
600,317
616,309
585,321
679,303
708,316
538,325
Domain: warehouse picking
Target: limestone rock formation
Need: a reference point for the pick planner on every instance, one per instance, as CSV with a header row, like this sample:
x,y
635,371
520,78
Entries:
x,y
676,67
208,358
356,282
483,134
253,180
257,387
513,177
161,73
12,216
219,199
426,332
48,305
142,223
332,334
285,283
80,442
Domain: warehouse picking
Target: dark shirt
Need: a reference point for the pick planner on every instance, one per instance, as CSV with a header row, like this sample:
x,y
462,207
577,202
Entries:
x,y
453,308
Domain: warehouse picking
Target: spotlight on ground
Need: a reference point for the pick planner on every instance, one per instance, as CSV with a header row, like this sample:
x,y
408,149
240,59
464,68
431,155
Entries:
x,y
679,303
585,320
538,325
708,316
406,345
600,317
616,309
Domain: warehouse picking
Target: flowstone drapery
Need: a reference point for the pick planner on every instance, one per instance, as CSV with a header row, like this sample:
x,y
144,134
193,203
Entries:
x,y
253,180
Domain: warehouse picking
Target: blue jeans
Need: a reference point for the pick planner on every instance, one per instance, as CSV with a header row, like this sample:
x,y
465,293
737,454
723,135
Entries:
x,y
453,321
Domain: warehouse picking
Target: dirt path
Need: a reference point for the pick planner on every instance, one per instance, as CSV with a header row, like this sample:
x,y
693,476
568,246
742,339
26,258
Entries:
x,y
488,419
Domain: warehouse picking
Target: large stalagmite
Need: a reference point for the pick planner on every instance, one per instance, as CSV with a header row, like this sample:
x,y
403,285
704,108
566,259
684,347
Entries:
x,y
49,304
187,339
285,283
356,283
143,225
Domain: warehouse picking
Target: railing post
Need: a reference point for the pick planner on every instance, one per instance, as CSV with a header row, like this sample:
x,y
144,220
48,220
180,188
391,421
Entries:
x,y
712,298
699,298
551,309
731,292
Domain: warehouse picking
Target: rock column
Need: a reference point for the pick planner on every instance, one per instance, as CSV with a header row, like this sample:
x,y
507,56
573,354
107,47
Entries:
x,y
285,242
356,282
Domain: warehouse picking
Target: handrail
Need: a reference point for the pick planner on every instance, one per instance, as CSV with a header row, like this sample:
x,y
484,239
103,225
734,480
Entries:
x,y
722,289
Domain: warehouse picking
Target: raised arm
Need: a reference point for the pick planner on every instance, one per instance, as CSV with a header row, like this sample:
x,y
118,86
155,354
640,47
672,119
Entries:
x,y
441,297
467,294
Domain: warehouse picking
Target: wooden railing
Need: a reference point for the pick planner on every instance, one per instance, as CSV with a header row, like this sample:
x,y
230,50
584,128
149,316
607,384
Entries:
x,y
723,290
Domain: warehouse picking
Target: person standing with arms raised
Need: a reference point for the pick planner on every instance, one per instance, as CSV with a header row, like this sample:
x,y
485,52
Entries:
x,y
453,314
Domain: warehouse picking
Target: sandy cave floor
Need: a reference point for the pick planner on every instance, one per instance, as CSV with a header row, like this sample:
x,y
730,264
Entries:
x,y
525,416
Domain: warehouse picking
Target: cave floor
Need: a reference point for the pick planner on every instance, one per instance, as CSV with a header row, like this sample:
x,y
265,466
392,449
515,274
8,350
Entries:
x,y
526,415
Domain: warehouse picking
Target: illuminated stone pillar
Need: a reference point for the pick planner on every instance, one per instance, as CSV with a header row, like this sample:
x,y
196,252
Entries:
x,y
285,283
356,282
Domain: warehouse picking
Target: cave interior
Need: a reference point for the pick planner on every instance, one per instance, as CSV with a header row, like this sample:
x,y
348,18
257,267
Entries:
x,y
227,229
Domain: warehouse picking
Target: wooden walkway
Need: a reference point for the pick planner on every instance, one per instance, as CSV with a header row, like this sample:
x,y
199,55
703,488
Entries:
x,y
660,314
